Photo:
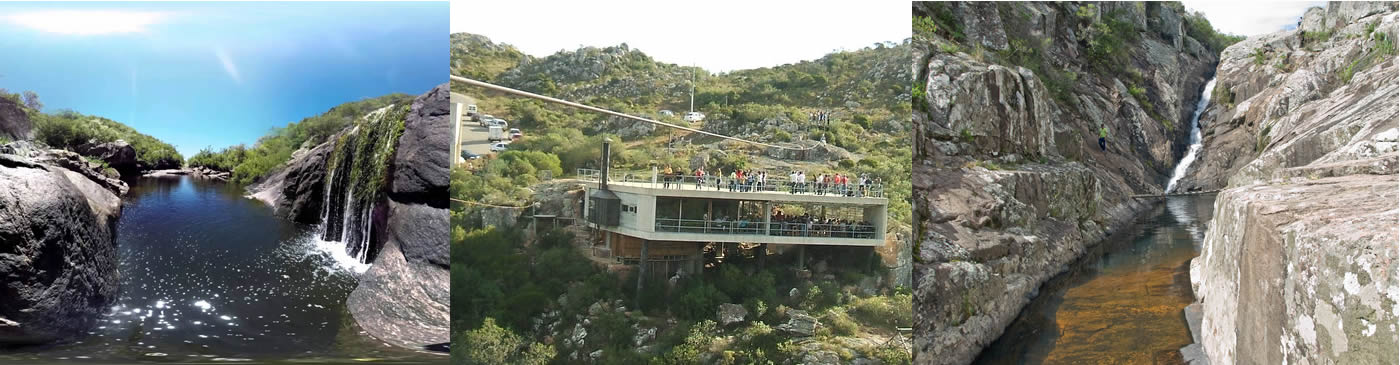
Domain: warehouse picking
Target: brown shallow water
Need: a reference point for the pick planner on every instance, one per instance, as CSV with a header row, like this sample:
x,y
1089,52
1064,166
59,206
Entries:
x,y
1121,303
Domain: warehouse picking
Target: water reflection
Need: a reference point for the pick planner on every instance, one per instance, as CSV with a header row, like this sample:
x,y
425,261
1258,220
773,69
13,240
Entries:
x,y
1121,303
209,275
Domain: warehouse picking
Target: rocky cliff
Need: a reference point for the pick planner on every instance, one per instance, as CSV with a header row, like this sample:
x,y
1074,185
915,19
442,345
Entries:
x,y
57,243
14,121
1300,263
380,187
1010,186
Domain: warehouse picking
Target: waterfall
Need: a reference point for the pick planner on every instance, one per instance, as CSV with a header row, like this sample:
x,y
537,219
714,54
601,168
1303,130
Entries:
x,y
356,172
1195,136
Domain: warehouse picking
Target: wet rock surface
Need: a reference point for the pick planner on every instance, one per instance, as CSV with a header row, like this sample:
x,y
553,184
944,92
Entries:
x,y
404,297
1010,185
57,228
297,190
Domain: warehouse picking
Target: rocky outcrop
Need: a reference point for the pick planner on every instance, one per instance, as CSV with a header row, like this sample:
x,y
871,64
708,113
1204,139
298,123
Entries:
x,y
118,154
1299,264
14,122
1010,186
296,191
57,255
421,164
404,297
1271,85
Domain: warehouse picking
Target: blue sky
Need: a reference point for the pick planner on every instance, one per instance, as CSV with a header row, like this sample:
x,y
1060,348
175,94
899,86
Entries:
x,y
218,74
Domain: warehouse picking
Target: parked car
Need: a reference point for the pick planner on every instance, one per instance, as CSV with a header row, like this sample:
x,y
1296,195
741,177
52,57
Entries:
x,y
470,156
498,147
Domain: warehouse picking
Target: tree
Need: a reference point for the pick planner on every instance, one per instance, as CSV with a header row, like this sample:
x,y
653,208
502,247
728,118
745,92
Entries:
x,y
31,100
492,344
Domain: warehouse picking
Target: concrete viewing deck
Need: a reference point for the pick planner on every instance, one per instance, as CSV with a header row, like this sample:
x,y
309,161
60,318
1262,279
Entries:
x,y
776,190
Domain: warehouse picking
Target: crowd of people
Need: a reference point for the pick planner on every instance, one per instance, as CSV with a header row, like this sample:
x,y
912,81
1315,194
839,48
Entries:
x,y
780,224
806,225
741,180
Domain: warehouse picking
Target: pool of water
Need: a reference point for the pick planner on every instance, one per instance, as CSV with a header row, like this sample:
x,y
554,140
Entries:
x,y
1120,303
208,275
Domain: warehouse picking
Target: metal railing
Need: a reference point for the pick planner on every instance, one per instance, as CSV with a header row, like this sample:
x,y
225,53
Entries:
x,y
716,183
834,230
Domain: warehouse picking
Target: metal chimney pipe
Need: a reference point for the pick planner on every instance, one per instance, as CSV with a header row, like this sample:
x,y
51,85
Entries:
x,y
607,160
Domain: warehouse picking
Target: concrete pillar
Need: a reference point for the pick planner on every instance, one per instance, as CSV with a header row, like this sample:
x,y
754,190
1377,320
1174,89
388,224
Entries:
x,y
767,217
762,255
641,273
456,149
801,256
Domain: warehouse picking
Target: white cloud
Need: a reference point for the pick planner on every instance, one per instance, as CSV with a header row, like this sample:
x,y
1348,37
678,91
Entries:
x,y
229,68
87,22
1251,18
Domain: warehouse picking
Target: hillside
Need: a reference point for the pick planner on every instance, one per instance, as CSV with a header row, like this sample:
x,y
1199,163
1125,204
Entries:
x,y
248,164
541,296
96,138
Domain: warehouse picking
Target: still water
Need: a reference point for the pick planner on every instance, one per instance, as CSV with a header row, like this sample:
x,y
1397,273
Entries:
x,y
208,275
1119,304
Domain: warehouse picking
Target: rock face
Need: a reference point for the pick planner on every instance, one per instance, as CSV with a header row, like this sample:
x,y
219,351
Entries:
x,y
404,298
297,190
57,231
14,122
118,154
1010,186
421,164
1299,264
1258,101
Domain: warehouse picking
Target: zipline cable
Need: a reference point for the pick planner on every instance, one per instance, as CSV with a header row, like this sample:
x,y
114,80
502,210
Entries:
x,y
605,111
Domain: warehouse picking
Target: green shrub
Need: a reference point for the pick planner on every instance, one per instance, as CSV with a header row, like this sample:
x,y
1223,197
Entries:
x,y
841,323
924,26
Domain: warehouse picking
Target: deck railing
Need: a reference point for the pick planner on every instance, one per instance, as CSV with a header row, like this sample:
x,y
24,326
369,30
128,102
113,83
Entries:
x,y
836,230
772,184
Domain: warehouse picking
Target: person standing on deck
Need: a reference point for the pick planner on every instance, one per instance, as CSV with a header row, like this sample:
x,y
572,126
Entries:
x,y
1103,137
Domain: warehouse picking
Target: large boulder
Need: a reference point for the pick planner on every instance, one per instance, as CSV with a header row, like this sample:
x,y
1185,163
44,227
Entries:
x,y
421,163
57,255
799,324
296,191
14,122
118,154
731,313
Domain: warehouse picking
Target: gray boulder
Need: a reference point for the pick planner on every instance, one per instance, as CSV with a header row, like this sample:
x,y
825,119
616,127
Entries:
x,y
56,251
421,163
14,122
1313,20
731,313
799,324
118,154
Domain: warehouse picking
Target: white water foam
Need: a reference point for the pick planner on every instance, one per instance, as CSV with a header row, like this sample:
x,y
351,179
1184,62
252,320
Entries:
x,y
1195,137
331,252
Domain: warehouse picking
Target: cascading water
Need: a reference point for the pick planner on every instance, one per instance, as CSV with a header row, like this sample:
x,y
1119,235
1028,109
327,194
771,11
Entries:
x,y
1195,137
357,168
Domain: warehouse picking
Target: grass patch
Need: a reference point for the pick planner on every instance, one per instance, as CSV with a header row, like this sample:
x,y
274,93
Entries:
x,y
1263,139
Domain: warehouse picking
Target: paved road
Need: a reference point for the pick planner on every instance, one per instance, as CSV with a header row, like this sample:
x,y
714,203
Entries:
x,y
473,135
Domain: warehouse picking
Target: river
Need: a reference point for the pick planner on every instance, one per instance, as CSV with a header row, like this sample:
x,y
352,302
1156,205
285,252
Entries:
x,y
208,275
1120,303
